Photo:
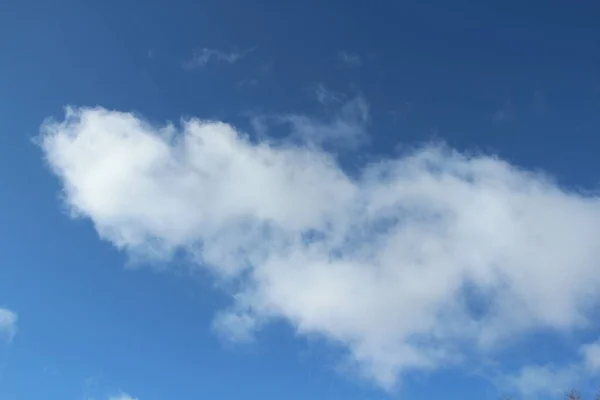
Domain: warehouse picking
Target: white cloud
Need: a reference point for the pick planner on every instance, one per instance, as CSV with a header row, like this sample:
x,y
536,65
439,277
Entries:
x,y
203,56
346,128
401,264
591,356
326,96
8,323
122,396
537,381
349,59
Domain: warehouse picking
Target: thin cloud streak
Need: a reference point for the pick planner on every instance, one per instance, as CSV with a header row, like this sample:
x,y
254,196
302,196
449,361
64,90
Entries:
x,y
8,324
202,57
349,59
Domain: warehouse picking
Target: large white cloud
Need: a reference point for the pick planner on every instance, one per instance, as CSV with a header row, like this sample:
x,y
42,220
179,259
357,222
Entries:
x,y
8,323
403,264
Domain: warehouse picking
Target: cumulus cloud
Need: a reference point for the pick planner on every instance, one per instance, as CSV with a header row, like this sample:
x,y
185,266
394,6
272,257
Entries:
x,y
8,323
403,264
203,56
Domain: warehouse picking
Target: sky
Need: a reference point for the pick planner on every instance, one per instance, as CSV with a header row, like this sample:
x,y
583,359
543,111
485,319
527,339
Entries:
x,y
292,200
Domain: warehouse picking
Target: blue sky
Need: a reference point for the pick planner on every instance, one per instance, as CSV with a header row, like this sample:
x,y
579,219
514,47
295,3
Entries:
x,y
266,200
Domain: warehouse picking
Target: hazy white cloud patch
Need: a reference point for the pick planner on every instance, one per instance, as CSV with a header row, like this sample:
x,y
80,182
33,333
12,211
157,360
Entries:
x,y
202,57
539,381
326,96
402,264
534,382
8,324
344,128
246,83
591,356
349,59
122,396
506,113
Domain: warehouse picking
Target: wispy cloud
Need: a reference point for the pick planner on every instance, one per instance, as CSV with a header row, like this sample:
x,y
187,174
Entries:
x,y
388,261
505,114
343,128
8,323
403,111
326,96
246,83
591,356
122,396
204,56
539,381
349,59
